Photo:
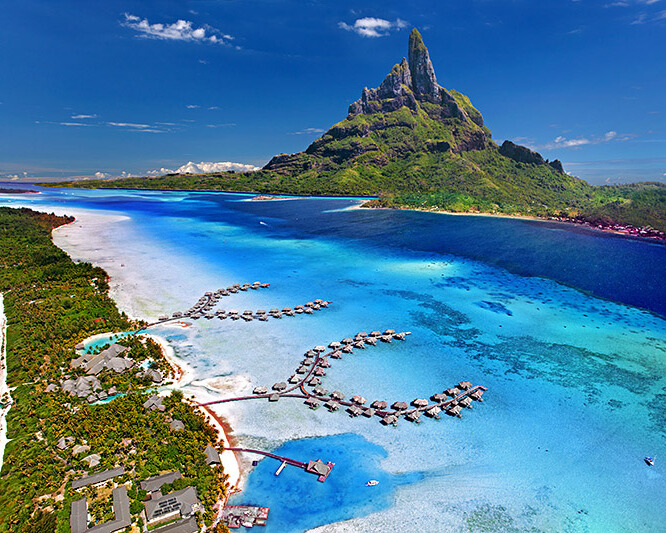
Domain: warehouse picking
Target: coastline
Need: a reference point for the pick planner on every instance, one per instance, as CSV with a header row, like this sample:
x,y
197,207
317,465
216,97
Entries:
x,y
568,223
183,373
4,389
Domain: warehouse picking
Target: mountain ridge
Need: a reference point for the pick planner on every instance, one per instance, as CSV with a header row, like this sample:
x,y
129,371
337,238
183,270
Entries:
x,y
416,144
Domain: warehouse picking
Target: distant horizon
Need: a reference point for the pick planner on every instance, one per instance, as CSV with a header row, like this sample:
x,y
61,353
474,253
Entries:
x,y
126,89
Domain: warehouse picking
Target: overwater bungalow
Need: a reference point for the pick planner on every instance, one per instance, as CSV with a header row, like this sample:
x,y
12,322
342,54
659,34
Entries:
x,y
361,335
348,349
235,317
247,318
389,332
354,410
312,403
359,400
371,340
261,311
433,411
314,381
318,301
265,285
248,312
320,391
274,397
369,412
273,311
294,379
260,390
400,406
177,314
161,318
336,354
390,420
257,283
420,402
379,404
320,348
307,361
359,344
453,391
347,340
476,395
464,385
375,333
465,402
302,369
413,416
310,353
386,338
337,395
308,311
299,307
454,410
316,307
280,386
440,397
324,363
334,345
319,372
324,303
298,311
233,312
263,318
309,304
286,309
332,405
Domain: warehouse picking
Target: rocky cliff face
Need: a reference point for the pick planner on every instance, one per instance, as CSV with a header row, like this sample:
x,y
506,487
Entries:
x,y
409,82
523,154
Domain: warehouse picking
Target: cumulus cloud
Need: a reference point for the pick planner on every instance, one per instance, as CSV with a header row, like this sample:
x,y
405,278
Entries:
x,y
308,131
181,30
204,167
102,175
373,27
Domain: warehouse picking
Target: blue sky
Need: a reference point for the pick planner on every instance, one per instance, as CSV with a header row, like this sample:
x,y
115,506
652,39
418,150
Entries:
x,y
123,86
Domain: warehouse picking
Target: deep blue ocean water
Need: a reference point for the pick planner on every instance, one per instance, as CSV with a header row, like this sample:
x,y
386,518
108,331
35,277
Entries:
x,y
564,326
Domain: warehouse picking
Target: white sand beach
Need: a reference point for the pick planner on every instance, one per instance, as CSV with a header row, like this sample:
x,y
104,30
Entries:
x,y
4,389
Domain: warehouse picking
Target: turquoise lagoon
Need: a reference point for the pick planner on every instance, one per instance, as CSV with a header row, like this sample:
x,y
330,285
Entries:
x,y
563,325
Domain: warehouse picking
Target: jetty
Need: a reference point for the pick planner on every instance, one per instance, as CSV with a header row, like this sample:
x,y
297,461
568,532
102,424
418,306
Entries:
x,y
204,306
305,384
318,467
235,516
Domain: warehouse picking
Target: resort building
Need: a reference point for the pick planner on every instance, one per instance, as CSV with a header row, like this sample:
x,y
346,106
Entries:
x,y
78,518
212,456
97,480
154,484
183,503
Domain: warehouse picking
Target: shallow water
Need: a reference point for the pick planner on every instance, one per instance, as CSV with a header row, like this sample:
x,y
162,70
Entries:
x,y
542,314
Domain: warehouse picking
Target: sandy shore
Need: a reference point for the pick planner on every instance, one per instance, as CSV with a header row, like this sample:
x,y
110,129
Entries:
x,y
4,389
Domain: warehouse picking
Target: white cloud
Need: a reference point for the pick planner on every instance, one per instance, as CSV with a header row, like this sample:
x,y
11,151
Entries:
x,y
226,125
563,142
139,128
204,167
102,175
192,106
308,131
373,27
181,30
75,117
73,124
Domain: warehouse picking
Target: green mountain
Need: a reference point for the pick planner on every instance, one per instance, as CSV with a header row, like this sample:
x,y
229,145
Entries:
x,y
416,144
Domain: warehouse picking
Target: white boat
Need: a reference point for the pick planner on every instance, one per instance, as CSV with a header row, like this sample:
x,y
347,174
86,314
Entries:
x,y
372,483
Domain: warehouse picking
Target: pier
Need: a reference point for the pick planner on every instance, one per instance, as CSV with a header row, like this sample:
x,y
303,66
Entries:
x,y
318,467
310,373
204,307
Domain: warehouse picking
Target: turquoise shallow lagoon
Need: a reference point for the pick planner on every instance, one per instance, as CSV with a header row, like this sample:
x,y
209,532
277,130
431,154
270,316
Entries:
x,y
563,325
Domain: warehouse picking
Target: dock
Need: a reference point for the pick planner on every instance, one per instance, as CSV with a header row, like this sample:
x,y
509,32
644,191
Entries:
x,y
235,516
318,467
204,307
310,373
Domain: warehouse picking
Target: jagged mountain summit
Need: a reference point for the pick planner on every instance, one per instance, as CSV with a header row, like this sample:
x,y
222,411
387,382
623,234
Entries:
x,y
410,134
